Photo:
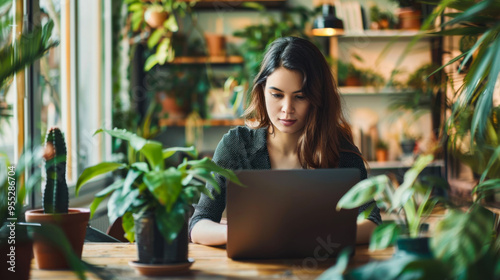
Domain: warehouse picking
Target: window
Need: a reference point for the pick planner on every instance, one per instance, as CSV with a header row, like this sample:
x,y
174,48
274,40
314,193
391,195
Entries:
x,y
65,88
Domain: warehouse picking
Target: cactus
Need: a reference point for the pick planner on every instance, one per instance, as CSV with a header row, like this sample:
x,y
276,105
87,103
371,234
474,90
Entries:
x,y
55,196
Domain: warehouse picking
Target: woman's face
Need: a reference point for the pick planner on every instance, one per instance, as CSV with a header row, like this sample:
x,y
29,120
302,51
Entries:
x,y
285,102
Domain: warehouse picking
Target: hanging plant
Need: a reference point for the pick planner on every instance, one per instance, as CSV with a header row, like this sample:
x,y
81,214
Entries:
x,y
155,22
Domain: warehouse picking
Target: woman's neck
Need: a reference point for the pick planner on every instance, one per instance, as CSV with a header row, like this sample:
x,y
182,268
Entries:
x,y
283,143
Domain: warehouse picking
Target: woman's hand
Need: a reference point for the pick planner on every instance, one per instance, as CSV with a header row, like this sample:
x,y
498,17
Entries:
x,y
207,232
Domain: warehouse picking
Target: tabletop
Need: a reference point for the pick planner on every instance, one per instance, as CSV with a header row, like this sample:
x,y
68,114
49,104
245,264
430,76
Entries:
x,y
209,263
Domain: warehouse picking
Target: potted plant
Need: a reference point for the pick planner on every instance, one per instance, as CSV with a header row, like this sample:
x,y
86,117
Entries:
x,y
410,14
16,236
156,22
351,76
410,203
381,19
257,36
408,143
381,150
465,243
180,89
73,221
15,264
17,53
154,198
424,95
16,248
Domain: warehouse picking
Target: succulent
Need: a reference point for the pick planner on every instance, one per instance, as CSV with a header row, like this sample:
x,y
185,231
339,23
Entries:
x,y
55,196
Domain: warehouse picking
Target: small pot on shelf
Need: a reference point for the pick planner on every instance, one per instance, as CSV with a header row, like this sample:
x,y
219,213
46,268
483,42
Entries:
x,y
216,44
155,16
352,81
407,146
170,106
381,155
409,19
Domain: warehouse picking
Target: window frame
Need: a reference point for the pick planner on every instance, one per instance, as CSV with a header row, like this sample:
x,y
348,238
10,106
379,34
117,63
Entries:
x,y
27,109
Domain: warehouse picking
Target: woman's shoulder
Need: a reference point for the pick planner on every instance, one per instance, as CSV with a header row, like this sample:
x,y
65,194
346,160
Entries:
x,y
241,148
350,156
347,146
244,134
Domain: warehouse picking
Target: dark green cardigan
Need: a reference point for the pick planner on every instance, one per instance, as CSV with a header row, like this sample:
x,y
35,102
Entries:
x,y
246,148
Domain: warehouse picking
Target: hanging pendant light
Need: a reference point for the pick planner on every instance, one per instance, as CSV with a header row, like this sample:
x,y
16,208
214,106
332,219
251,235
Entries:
x,y
328,24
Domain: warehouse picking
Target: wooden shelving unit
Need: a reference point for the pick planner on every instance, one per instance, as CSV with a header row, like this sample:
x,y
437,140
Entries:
x,y
371,91
234,4
384,33
232,59
211,122
400,164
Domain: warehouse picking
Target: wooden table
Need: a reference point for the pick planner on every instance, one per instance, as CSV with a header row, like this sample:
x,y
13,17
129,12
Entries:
x,y
210,263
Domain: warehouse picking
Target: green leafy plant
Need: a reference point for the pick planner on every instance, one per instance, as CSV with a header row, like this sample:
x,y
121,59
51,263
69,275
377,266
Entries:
x,y
291,23
188,84
410,202
153,186
27,49
12,179
382,145
424,95
482,158
362,76
479,20
467,245
382,19
158,34
464,242
16,53
55,196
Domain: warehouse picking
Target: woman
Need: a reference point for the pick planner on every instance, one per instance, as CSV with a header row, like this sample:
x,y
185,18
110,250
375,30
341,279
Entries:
x,y
299,123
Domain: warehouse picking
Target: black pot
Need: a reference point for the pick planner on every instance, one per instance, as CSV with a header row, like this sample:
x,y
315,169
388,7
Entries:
x,y
408,146
418,247
152,248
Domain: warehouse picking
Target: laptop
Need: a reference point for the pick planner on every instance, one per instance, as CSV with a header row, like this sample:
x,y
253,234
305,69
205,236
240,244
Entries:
x,y
290,213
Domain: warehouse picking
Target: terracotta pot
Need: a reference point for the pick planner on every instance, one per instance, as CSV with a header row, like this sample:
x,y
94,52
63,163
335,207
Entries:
x,y
384,24
352,82
216,44
170,106
74,226
154,18
16,264
381,155
409,19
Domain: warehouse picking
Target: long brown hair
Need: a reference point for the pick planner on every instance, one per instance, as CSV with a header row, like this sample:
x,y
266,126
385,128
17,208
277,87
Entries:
x,y
326,128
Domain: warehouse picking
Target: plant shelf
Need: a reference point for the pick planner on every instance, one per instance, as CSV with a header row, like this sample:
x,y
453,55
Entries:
x,y
234,4
400,164
394,33
371,91
233,59
210,122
